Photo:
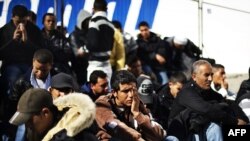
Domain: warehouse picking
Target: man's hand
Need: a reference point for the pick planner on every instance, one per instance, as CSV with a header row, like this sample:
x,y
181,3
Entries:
x,y
160,59
241,122
135,104
17,33
24,32
20,33
224,84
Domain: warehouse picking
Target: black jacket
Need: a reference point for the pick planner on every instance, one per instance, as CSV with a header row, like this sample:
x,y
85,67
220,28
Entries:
x,y
148,49
163,105
244,88
58,44
207,103
100,37
15,52
194,108
78,39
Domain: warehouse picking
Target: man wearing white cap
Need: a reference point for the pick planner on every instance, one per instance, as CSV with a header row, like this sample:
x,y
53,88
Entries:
x,y
183,53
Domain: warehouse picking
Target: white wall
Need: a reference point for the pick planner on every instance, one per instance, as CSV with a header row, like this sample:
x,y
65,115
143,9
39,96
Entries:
x,y
226,28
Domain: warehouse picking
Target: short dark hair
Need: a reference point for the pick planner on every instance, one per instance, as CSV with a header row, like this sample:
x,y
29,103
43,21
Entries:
x,y
95,75
132,60
100,5
20,11
32,15
178,77
122,77
47,14
117,24
43,56
143,23
218,66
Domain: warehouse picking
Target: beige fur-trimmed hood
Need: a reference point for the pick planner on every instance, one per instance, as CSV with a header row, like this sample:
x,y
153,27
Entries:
x,y
80,115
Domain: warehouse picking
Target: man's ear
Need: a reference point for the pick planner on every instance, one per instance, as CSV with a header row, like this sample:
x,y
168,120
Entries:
x,y
114,93
91,85
50,89
46,111
193,76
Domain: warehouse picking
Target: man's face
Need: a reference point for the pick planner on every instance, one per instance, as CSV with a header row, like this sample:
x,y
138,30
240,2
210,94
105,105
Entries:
x,y
124,96
17,20
136,68
203,76
40,122
49,23
40,70
219,75
58,92
175,88
101,87
144,31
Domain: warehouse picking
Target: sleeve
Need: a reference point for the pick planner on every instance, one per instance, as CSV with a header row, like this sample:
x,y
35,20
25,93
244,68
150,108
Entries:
x,y
151,130
104,116
73,43
117,57
214,110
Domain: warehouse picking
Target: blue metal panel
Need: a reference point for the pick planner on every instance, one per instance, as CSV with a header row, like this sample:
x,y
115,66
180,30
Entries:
x,y
147,10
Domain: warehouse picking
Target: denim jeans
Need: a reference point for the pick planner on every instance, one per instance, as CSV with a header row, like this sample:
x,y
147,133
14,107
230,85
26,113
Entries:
x,y
20,134
10,74
162,76
213,133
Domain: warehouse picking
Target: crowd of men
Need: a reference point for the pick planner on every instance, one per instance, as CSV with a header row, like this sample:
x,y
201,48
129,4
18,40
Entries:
x,y
102,84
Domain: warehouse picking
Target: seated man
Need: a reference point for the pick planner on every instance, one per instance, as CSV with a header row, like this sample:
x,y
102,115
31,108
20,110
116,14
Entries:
x,y
244,86
49,120
61,84
97,85
219,83
121,115
199,109
165,97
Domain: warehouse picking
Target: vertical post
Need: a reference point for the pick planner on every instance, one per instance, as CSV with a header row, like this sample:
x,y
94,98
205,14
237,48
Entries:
x,y
200,24
62,13
55,7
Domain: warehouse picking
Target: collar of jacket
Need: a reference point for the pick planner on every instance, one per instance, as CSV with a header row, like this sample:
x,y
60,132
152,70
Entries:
x,y
197,87
80,115
100,13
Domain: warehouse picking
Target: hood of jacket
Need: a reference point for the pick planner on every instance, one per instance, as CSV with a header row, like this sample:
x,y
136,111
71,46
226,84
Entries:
x,y
82,15
80,115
